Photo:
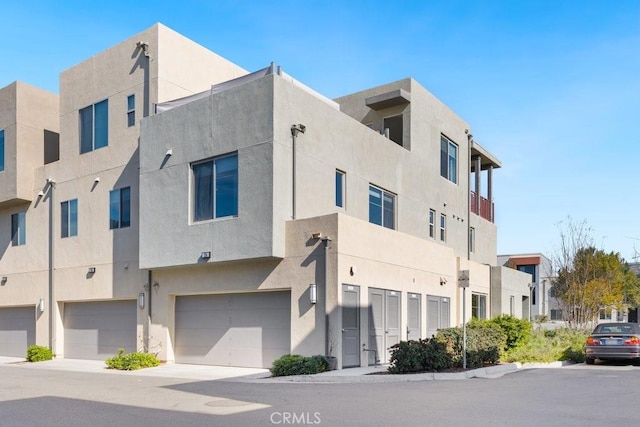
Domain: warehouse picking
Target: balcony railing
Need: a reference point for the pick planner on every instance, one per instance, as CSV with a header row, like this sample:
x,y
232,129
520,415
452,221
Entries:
x,y
486,207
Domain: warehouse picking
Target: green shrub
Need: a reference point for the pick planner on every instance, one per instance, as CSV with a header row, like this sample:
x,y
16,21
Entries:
x,y
38,353
132,361
550,346
485,343
518,331
420,356
295,364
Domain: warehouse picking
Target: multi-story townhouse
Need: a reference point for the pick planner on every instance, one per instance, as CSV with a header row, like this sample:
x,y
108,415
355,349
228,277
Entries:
x,y
220,217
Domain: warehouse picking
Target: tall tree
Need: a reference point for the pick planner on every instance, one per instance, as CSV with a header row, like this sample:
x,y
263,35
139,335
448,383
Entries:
x,y
589,279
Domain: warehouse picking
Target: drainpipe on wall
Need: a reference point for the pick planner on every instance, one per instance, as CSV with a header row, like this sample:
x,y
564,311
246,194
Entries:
x,y
327,338
52,339
469,140
147,338
295,130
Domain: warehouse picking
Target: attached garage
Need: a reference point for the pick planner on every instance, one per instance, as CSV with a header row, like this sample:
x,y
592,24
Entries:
x,y
96,330
17,330
248,330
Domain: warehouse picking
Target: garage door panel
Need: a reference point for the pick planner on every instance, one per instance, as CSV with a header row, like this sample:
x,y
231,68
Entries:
x,y
17,330
98,329
233,329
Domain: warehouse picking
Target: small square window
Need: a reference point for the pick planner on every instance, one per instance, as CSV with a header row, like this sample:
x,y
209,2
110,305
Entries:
x,y
215,188
382,207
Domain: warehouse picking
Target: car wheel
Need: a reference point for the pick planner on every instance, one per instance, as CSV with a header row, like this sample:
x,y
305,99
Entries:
x,y
589,361
636,362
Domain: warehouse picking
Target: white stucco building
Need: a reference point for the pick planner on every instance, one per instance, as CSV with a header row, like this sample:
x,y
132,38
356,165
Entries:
x,y
217,216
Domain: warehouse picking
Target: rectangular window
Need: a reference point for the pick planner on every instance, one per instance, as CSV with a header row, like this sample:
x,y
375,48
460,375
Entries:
x,y
443,228
51,147
340,186
69,218
479,306
216,188
1,150
120,208
432,223
382,207
448,159
131,110
472,239
531,269
94,126
19,229
512,305
556,314
394,125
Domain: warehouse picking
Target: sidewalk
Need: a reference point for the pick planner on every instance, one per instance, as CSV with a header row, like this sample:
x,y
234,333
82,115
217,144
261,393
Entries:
x,y
369,374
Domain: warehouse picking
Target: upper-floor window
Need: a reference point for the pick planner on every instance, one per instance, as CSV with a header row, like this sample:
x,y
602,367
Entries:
x,y
1,150
531,269
51,147
120,208
443,227
94,126
432,223
472,239
479,306
382,209
131,110
215,186
340,186
394,125
18,229
69,218
448,159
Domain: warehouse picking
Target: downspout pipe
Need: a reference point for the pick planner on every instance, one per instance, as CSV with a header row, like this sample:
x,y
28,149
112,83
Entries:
x,y
295,130
327,344
52,339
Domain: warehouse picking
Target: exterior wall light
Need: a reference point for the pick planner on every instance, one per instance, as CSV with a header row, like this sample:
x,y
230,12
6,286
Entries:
x,y
92,270
313,293
205,255
141,300
41,305
4,280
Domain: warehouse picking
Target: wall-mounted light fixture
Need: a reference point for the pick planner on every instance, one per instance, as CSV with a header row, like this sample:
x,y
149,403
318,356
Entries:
x,y
443,281
97,180
40,193
205,255
141,300
4,280
313,293
353,270
41,305
169,153
92,270
317,235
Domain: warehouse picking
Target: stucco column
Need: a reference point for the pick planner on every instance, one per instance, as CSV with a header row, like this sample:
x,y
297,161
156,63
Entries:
x,y
476,188
490,191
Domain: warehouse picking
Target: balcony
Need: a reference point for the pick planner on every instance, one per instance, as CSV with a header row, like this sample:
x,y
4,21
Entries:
x,y
486,207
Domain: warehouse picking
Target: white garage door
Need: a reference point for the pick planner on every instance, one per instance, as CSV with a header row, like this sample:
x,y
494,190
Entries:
x,y
250,330
96,330
17,330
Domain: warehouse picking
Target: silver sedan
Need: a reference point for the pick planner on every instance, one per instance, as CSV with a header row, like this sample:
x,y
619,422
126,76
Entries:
x,y
614,341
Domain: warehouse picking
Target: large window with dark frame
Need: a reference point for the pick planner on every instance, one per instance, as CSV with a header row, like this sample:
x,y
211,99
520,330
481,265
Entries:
x,y
382,207
69,218
94,126
215,188
479,306
448,159
340,188
19,229
120,208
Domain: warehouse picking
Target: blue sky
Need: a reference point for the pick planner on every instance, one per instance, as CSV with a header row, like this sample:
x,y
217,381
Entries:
x,y
552,88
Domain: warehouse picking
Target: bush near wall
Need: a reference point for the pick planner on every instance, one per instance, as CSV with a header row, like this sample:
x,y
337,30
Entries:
x,y
485,343
518,331
421,356
38,353
295,364
132,361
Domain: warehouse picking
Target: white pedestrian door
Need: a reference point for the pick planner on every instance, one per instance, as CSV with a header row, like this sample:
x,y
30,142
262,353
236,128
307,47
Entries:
x,y
437,314
384,323
414,314
350,326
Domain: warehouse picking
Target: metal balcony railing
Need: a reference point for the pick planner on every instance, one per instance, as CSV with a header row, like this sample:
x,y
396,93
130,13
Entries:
x,y
486,207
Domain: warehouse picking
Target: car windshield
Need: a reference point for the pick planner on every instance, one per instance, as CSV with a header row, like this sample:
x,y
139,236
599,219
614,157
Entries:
x,y
616,329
